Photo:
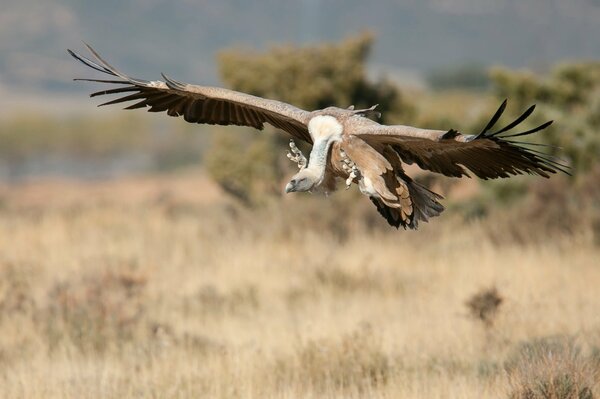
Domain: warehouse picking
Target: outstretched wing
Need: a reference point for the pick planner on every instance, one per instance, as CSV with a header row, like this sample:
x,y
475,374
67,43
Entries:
x,y
199,104
488,155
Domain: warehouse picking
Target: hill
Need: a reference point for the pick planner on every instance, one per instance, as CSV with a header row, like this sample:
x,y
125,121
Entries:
x,y
150,36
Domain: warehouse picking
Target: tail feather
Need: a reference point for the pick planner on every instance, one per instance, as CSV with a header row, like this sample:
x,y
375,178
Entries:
x,y
425,202
425,205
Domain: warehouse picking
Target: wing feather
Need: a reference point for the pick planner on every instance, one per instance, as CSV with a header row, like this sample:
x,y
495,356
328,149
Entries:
x,y
198,104
140,104
488,155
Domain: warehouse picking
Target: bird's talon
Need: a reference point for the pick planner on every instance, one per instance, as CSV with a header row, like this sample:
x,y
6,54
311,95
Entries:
x,y
349,182
295,155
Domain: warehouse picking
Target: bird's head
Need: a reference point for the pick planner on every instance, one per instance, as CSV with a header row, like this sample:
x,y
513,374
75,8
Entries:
x,y
304,180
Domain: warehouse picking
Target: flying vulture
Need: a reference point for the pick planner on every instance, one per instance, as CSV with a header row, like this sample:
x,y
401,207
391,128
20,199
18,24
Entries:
x,y
346,144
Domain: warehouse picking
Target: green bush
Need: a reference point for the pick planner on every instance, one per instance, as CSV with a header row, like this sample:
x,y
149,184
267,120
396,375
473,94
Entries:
x,y
311,77
570,95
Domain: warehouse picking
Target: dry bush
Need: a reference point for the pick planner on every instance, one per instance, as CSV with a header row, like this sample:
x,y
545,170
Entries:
x,y
94,312
551,368
356,363
484,305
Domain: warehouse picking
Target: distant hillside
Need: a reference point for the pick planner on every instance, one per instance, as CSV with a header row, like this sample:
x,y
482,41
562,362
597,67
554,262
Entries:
x,y
150,36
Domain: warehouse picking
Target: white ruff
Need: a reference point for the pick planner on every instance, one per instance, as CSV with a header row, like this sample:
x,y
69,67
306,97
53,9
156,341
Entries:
x,y
324,127
324,130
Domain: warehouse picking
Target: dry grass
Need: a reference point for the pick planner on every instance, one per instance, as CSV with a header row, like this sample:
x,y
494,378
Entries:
x,y
552,368
138,289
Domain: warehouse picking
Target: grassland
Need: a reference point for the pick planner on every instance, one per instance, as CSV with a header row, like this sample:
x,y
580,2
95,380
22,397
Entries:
x,y
162,288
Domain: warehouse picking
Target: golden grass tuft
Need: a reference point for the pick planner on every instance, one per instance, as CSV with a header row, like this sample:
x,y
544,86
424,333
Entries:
x,y
354,363
552,368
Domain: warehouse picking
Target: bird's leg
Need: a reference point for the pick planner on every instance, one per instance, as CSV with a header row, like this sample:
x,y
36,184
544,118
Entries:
x,y
349,167
295,155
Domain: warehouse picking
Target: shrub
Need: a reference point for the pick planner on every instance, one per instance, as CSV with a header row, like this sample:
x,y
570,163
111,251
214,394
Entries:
x,y
570,94
551,368
484,305
95,311
312,77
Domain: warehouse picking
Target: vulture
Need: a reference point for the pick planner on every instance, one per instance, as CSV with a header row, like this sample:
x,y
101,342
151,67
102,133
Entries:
x,y
347,145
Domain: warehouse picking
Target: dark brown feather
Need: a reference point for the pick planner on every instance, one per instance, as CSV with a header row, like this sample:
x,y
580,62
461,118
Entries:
x,y
199,104
487,155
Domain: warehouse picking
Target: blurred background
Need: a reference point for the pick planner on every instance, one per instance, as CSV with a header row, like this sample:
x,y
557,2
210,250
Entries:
x,y
143,256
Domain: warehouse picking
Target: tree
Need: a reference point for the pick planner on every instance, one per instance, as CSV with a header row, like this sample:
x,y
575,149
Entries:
x,y
570,95
310,77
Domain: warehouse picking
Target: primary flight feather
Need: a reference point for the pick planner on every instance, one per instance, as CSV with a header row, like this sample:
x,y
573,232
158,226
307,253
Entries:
x,y
346,144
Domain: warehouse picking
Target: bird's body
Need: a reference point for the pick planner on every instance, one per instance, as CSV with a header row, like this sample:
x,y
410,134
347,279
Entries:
x,y
346,144
328,130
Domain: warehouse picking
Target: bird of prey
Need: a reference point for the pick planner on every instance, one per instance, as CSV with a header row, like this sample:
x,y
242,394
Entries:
x,y
346,144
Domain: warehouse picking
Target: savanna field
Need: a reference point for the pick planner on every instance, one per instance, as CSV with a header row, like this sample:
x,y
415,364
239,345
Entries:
x,y
143,287
142,257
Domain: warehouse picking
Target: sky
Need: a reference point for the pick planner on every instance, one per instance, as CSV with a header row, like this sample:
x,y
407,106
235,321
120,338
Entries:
x,y
181,38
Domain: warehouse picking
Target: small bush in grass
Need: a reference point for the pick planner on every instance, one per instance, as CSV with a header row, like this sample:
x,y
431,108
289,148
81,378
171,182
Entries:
x,y
551,368
484,305
95,311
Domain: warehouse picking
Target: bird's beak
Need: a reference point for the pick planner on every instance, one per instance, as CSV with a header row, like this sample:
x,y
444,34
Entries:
x,y
289,188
